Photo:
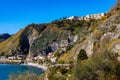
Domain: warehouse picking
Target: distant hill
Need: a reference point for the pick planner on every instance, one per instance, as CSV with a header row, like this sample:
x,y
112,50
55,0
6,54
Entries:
x,y
4,36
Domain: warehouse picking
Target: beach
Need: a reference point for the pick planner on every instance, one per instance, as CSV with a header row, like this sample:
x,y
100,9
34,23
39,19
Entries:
x,y
35,65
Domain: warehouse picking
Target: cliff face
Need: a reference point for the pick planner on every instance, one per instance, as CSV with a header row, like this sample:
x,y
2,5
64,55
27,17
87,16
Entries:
x,y
50,40
38,39
106,36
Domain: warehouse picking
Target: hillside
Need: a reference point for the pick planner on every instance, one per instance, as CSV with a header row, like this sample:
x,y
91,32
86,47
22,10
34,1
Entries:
x,y
42,38
95,57
8,45
105,36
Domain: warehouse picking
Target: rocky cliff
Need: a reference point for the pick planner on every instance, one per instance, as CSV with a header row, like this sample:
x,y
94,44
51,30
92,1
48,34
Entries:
x,y
42,39
106,36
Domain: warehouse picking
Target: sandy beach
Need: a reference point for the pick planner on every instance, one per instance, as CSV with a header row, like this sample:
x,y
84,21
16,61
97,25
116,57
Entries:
x,y
36,65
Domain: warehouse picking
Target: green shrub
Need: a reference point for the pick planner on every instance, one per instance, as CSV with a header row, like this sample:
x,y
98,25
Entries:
x,y
54,75
2,54
98,34
61,61
24,76
101,66
82,55
112,28
116,21
63,71
69,47
57,54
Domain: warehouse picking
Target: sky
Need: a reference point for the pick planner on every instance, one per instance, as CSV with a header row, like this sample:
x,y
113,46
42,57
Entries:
x,y
17,14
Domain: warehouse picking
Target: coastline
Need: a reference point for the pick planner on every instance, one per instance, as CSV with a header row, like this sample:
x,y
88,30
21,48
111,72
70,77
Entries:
x,y
44,68
18,62
8,70
10,61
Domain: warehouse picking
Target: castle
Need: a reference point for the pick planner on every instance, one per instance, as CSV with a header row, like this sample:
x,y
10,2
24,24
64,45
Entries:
x,y
87,17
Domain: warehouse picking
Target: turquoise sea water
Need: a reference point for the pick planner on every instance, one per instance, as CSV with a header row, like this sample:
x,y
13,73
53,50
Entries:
x,y
7,69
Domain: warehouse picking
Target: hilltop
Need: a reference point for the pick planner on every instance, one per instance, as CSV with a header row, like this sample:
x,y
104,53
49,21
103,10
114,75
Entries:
x,y
89,16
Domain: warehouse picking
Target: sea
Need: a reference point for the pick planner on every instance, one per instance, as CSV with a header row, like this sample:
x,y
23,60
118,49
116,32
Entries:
x,y
7,69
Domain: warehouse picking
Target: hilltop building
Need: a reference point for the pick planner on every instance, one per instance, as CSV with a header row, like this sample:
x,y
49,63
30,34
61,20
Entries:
x,y
87,17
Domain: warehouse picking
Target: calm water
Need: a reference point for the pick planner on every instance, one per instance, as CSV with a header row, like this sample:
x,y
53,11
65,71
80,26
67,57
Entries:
x,y
6,70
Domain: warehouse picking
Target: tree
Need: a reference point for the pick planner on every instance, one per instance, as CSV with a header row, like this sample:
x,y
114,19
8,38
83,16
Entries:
x,y
2,54
82,55
24,76
101,66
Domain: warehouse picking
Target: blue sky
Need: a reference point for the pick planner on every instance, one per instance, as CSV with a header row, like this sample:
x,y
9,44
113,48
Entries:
x,y
16,14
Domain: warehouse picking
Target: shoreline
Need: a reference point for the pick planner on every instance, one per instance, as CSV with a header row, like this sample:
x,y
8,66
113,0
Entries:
x,y
18,62
10,61
44,68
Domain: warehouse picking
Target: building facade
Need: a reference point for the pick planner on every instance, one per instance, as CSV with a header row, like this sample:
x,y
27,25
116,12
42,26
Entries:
x,y
87,17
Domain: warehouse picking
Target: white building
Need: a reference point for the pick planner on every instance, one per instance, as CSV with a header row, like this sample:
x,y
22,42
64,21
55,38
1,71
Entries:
x,y
73,18
53,59
87,17
20,57
81,18
50,55
39,58
97,16
3,58
12,58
